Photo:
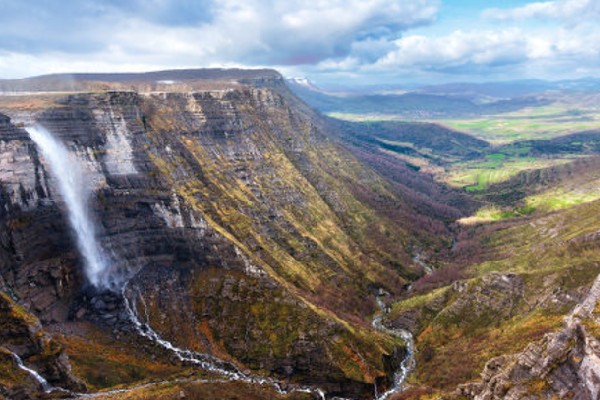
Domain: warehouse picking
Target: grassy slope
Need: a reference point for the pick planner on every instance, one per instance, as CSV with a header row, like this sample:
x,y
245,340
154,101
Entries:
x,y
315,200
104,361
550,261
325,244
541,190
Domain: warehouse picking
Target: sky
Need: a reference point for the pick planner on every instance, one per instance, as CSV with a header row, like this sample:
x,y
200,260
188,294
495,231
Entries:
x,y
332,42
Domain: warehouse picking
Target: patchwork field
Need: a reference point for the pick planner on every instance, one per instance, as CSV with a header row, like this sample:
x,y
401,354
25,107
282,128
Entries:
x,y
541,151
530,123
477,176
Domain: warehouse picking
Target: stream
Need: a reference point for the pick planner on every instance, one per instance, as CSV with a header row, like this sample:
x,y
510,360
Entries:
x,y
206,362
408,363
37,377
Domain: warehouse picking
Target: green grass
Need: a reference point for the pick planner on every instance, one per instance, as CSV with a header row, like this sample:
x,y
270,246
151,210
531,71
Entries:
x,y
552,200
582,187
560,198
477,176
418,301
494,213
357,117
530,123
496,156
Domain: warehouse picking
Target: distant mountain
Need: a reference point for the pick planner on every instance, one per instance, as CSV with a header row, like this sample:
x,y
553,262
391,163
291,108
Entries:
x,y
452,100
510,89
411,105
303,82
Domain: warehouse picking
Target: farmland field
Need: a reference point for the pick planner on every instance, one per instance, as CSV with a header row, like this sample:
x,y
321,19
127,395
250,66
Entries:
x,y
477,176
531,123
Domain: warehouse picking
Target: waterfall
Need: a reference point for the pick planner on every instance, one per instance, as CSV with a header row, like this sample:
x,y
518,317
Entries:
x,y
72,184
39,379
69,173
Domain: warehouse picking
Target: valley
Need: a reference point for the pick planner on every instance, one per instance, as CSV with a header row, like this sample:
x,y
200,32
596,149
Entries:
x,y
253,247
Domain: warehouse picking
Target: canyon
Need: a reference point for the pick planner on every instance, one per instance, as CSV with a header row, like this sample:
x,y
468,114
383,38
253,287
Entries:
x,y
207,234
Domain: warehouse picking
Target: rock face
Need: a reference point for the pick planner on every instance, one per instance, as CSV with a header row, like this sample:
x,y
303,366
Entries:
x,y
241,229
564,364
22,334
33,230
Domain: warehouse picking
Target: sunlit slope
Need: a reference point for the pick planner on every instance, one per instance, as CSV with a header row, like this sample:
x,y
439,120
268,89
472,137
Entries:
x,y
522,280
243,212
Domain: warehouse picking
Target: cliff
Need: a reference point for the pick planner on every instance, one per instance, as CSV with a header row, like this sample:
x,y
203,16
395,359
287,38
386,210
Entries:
x,y
241,228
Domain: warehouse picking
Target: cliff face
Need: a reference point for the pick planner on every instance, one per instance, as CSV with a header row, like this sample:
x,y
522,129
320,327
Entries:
x,y
564,364
238,226
33,230
241,229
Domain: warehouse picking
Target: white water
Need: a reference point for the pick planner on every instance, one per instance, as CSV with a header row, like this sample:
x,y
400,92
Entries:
x,y
72,184
204,361
69,173
40,379
408,363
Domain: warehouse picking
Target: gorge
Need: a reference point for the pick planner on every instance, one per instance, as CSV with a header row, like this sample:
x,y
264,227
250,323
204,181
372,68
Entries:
x,y
216,237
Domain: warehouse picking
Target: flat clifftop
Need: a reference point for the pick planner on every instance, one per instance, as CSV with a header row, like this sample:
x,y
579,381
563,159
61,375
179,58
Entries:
x,y
24,99
171,80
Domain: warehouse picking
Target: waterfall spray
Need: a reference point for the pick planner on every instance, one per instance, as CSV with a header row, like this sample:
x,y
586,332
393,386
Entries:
x,y
69,173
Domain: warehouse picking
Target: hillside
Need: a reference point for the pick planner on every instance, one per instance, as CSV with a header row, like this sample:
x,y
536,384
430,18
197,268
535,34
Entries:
x,y
417,104
227,206
251,247
513,324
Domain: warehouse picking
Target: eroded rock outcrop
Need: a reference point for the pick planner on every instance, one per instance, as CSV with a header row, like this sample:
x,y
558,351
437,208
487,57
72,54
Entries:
x,y
564,364
22,334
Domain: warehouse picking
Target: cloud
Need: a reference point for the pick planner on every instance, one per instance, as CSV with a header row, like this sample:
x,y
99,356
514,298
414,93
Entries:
x,y
571,11
190,32
491,48
371,40
496,54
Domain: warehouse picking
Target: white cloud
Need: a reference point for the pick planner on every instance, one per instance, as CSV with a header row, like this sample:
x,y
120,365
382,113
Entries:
x,y
571,11
251,32
357,39
458,49
504,53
